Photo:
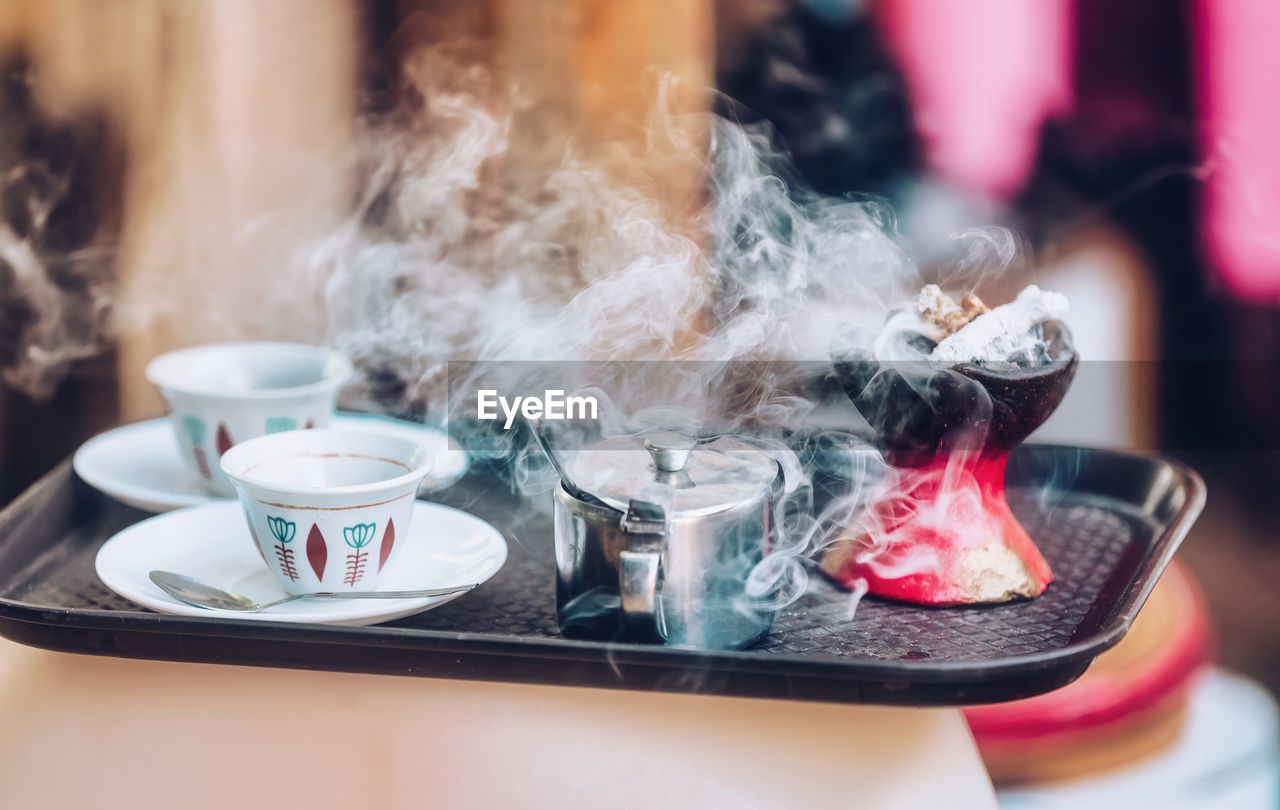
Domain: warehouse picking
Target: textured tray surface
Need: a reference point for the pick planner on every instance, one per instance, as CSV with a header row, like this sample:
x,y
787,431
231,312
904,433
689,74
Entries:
x,y
1097,547
1083,543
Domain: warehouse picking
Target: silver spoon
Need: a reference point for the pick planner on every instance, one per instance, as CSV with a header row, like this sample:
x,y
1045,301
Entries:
x,y
200,594
570,486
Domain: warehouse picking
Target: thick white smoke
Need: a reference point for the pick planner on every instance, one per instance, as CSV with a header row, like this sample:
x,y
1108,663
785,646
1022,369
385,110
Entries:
x,y
57,218
469,244
474,238
460,249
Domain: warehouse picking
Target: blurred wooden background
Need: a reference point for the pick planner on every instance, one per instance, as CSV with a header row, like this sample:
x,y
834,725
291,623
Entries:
x,y
235,112
222,112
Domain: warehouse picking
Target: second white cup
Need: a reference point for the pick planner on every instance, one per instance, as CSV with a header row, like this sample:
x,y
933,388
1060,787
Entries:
x,y
221,394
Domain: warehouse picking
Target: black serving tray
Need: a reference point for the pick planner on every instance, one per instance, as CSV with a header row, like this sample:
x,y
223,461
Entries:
x,y
1108,523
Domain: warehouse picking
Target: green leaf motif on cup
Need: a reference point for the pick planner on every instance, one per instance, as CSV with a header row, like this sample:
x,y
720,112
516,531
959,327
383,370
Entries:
x,y
282,530
359,535
194,426
279,424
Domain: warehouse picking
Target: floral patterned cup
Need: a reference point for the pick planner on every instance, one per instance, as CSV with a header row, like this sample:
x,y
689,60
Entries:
x,y
225,393
327,507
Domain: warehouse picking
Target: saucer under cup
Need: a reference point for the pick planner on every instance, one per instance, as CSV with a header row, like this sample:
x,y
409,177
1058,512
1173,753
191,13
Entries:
x,y
222,394
327,507
443,547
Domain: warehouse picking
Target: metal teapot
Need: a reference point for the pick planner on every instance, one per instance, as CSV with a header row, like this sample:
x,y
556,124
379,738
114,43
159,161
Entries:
x,y
656,538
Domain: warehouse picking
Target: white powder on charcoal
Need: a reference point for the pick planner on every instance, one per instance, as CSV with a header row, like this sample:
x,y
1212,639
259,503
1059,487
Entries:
x,y
1005,332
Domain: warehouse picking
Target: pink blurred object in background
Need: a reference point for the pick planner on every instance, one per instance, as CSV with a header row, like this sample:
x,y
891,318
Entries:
x,y
1238,60
984,75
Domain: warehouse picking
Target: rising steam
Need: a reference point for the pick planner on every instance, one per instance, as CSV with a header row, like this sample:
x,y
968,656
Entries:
x,y
55,222
470,244
472,239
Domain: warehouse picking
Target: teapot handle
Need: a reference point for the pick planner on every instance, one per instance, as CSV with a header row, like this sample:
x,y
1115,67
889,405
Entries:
x,y
638,585
640,567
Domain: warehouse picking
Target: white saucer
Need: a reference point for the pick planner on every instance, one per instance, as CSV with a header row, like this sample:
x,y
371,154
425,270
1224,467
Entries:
x,y
140,463
211,543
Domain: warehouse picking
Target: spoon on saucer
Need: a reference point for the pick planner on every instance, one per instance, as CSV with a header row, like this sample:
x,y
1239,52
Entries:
x,y
200,594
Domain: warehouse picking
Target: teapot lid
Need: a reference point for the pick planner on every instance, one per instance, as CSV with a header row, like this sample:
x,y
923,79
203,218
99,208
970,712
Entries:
x,y
704,477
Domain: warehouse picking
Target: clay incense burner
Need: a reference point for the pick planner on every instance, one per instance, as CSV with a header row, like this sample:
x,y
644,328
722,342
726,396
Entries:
x,y
941,532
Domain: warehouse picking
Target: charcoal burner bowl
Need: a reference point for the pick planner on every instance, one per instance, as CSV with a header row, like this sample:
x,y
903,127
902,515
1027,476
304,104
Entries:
x,y
946,428
917,411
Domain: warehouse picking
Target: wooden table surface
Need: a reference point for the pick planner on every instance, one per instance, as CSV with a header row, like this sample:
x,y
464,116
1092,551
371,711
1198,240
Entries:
x,y
94,733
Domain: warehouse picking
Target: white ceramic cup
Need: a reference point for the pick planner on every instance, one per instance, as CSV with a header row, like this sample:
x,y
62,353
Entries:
x,y
327,507
224,393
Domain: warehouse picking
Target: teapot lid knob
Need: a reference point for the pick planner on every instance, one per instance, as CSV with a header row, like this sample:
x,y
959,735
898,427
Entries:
x,y
670,451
